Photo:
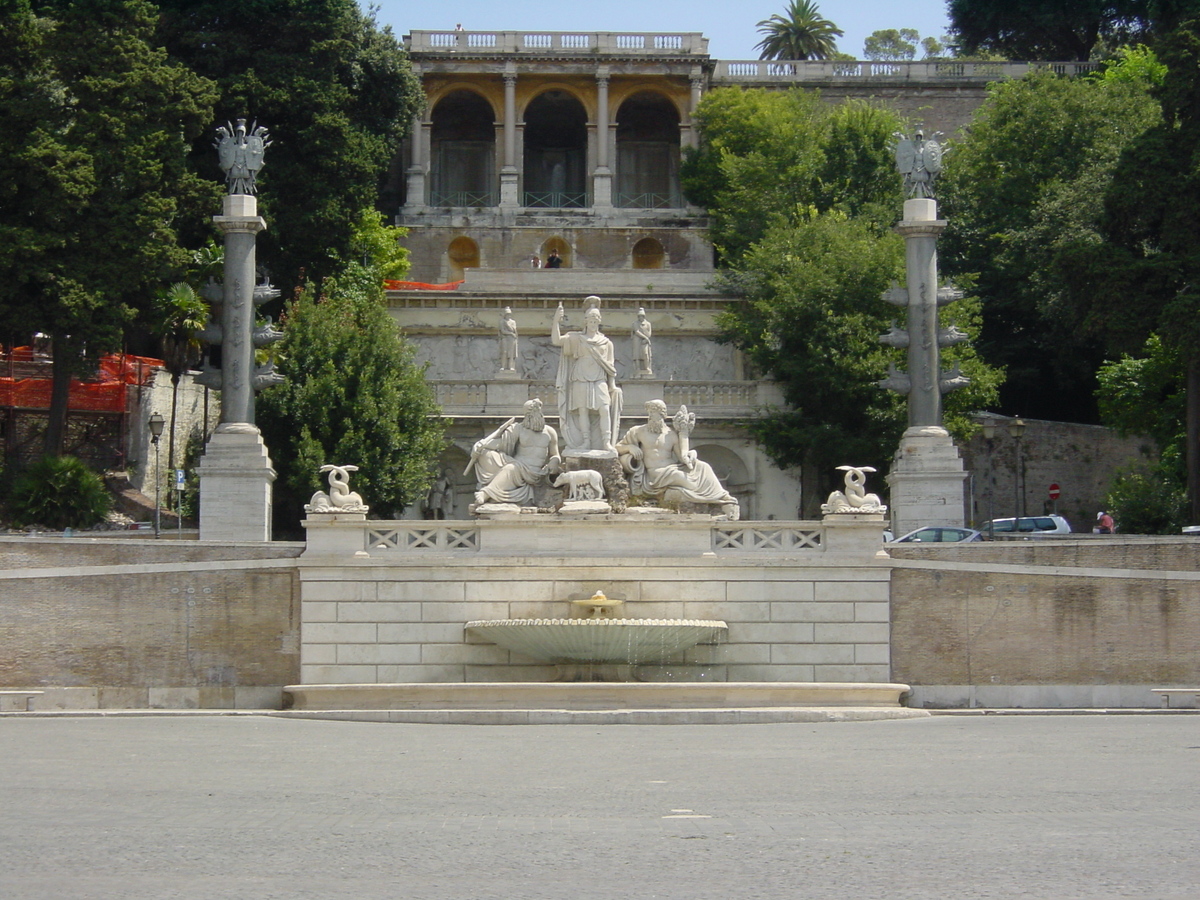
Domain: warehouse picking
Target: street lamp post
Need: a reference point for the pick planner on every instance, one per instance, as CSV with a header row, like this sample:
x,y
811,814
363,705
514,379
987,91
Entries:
x,y
989,435
1016,428
156,423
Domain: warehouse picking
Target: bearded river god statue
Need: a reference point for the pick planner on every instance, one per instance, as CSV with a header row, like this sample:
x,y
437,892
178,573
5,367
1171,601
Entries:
x,y
514,459
663,466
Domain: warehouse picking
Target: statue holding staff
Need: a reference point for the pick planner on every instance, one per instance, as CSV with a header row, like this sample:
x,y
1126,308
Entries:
x,y
589,401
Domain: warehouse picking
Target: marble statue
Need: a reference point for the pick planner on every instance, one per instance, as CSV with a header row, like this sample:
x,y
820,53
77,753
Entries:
x,y
662,465
340,498
854,499
240,154
513,459
508,341
643,353
583,484
920,162
439,503
589,401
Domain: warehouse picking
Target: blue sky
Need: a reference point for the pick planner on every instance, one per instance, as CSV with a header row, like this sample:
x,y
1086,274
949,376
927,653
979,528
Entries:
x,y
729,26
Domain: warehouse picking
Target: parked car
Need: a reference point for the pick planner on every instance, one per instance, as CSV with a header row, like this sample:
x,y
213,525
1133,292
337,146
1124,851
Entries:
x,y
1030,525
939,534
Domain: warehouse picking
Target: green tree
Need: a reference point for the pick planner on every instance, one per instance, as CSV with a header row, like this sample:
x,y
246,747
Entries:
x,y
776,156
802,196
1020,195
337,93
1053,29
892,44
800,33
94,185
354,395
1145,277
810,319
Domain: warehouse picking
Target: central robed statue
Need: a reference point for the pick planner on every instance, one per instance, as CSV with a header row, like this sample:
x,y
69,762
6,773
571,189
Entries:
x,y
589,401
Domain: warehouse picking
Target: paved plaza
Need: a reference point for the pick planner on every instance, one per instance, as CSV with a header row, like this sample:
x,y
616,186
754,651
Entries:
x,y
259,807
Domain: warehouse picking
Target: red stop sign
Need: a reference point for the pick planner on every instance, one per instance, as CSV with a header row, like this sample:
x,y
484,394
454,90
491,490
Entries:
x,y
1054,492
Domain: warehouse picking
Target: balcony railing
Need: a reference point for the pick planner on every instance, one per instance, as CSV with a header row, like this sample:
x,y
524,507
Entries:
x,y
742,71
646,201
555,200
559,42
462,198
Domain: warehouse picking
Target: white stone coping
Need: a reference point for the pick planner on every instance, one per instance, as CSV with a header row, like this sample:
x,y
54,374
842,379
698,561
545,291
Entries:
x,y
594,695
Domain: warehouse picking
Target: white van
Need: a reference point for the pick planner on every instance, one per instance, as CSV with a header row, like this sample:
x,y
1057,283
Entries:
x,y
1030,525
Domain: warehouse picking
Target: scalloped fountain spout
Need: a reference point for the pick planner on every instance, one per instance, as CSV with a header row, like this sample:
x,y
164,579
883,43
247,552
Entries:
x,y
596,645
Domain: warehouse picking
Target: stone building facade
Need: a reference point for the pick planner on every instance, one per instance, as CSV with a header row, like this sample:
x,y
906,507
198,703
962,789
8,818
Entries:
x,y
571,144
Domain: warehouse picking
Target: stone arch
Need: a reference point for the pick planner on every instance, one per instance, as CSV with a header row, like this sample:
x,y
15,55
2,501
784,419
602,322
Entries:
x,y
462,147
555,157
733,473
648,152
463,253
560,245
649,253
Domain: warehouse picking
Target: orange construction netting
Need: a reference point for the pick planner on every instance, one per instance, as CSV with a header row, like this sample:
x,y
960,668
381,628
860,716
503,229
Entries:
x,y
107,393
420,286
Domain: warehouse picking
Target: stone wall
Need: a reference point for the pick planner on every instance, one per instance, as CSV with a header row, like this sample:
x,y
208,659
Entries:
x,y
139,623
1046,623
810,613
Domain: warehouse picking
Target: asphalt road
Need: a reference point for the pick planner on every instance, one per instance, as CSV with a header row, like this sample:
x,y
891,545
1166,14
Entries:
x,y
255,808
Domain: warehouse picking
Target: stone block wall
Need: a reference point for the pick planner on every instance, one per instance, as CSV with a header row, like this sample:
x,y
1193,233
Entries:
x,y
120,624
1049,623
382,621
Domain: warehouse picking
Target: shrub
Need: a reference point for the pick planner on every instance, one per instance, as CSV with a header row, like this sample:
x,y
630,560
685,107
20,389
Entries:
x,y
58,492
1147,502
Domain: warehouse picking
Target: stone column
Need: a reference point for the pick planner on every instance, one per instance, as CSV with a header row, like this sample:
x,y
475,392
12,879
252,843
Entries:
x,y
236,474
240,224
690,136
927,477
509,172
602,177
416,173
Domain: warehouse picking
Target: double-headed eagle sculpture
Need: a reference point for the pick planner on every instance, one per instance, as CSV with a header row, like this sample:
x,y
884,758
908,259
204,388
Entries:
x,y
240,153
920,162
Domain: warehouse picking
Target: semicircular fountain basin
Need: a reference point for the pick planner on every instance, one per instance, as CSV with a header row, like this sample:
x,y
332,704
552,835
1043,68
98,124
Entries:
x,y
598,640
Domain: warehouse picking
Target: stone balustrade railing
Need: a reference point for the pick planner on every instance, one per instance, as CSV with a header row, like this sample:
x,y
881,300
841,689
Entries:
x,y
630,534
558,42
799,71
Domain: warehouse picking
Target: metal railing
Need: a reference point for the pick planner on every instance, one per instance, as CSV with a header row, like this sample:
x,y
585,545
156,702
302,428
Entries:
x,y
555,200
462,198
646,200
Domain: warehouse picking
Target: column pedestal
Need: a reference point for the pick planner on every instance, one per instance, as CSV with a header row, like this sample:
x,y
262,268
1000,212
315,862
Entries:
x,y
235,487
926,481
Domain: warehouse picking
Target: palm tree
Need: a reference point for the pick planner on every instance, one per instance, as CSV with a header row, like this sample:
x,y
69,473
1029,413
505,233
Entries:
x,y
801,33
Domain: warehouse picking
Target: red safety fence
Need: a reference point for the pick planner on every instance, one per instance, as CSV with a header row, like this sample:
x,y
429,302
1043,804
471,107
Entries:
x,y
420,286
28,386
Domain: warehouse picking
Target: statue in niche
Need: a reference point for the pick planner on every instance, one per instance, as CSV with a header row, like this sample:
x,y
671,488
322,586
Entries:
x,y
643,353
589,401
508,341
439,503
511,461
920,162
854,499
240,154
340,498
662,465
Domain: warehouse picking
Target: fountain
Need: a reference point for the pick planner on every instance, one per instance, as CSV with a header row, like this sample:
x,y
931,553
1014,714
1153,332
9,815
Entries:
x,y
595,644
